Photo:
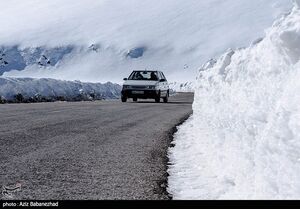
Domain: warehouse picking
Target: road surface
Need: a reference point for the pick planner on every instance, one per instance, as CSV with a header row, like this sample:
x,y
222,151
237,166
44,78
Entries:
x,y
88,150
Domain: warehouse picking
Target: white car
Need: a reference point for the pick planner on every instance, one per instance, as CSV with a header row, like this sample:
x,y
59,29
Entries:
x,y
146,85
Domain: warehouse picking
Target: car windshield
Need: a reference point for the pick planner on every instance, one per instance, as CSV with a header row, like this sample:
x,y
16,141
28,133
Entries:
x,y
140,75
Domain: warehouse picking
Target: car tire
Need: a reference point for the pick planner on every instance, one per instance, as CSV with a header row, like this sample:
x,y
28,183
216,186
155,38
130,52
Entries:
x,y
157,99
135,99
124,99
166,99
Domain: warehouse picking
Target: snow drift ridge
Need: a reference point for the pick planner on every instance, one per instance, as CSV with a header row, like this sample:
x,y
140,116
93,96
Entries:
x,y
45,89
243,140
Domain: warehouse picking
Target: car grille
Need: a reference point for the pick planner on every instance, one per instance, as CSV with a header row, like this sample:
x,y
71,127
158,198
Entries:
x,y
139,87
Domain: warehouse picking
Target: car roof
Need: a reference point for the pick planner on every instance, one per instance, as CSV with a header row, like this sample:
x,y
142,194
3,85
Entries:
x,y
146,71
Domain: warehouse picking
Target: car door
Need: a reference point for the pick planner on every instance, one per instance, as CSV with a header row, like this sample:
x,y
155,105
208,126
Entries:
x,y
166,85
163,84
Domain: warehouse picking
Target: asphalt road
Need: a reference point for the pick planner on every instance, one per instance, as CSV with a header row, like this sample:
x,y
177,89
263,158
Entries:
x,y
88,150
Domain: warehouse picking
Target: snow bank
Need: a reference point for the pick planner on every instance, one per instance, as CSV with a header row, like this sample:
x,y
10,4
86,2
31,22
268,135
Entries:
x,y
243,140
126,35
29,89
181,87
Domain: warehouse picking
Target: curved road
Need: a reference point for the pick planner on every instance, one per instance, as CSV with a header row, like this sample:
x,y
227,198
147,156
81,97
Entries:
x,y
88,150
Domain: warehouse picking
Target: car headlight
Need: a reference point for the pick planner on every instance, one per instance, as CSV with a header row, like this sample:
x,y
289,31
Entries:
x,y
126,87
152,87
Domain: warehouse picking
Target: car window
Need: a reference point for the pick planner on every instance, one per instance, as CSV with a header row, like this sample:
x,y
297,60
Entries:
x,y
140,75
163,75
159,76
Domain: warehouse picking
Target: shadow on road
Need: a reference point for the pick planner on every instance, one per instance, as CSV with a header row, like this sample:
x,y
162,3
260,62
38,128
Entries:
x,y
149,102
179,99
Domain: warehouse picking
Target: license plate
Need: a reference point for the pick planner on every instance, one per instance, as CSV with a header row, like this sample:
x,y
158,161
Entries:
x,y
137,92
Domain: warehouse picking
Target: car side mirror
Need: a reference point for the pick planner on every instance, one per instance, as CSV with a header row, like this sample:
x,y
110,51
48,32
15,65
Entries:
x,y
125,79
162,80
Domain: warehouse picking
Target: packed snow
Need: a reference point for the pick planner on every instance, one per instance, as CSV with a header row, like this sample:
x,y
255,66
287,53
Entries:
x,y
104,40
243,140
37,90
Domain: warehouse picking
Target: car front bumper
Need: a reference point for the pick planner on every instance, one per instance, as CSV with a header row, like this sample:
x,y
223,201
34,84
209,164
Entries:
x,y
140,94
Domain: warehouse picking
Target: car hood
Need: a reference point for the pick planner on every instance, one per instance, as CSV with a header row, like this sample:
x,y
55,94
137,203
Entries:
x,y
140,83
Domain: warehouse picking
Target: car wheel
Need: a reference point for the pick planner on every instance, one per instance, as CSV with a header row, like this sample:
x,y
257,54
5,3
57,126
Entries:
x,y
166,99
157,99
135,99
124,99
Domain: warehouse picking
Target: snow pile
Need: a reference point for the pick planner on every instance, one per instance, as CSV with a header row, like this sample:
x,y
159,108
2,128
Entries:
x,y
182,87
243,140
104,40
37,90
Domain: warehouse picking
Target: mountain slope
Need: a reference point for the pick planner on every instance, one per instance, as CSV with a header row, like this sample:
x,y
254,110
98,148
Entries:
x,y
109,38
